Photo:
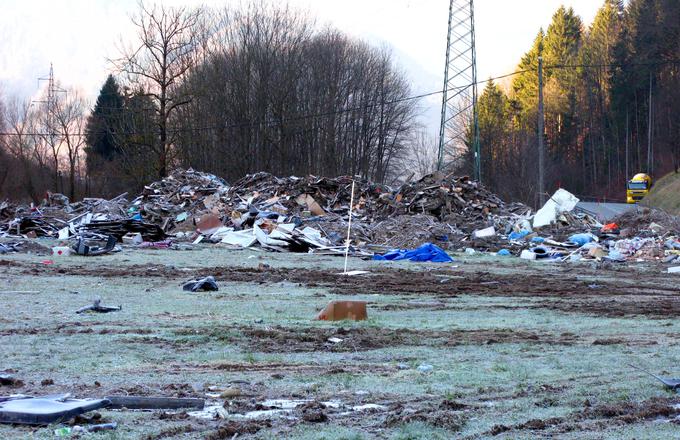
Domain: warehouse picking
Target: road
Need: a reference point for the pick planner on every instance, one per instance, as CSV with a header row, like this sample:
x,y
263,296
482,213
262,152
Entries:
x,y
605,211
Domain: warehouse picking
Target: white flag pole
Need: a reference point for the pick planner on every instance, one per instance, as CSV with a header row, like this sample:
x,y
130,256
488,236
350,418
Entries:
x,y
349,226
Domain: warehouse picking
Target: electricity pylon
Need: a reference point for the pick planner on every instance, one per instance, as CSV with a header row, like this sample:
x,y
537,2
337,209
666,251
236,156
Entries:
x,y
459,129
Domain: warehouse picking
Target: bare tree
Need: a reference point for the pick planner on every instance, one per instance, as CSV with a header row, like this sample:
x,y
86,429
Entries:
x,y
69,120
48,142
4,160
420,158
277,94
169,40
19,142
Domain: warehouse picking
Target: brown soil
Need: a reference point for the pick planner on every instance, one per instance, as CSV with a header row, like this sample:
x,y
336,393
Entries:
x,y
599,417
445,414
278,339
232,429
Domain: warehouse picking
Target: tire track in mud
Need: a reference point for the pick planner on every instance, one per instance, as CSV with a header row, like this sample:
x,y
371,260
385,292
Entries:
x,y
597,418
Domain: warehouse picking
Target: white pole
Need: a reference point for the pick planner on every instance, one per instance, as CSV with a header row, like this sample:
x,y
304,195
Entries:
x,y
349,226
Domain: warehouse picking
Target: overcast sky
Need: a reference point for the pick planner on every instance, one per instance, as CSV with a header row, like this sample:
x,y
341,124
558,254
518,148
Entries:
x,y
78,35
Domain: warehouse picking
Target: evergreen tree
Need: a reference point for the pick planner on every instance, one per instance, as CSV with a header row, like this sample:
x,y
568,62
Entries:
x,y
599,143
103,124
525,84
493,127
562,45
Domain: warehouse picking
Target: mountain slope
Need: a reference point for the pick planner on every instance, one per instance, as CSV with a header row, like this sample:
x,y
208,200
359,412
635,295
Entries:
x,y
665,194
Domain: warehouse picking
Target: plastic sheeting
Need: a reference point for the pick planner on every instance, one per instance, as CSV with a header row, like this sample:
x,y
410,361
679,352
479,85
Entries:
x,y
561,201
426,252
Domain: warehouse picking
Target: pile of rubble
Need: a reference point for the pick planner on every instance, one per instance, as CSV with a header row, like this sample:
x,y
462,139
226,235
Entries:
x,y
436,207
562,234
312,214
181,194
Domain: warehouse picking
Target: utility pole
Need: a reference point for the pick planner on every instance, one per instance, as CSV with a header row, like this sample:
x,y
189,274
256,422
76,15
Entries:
x,y
459,118
627,145
541,132
650,152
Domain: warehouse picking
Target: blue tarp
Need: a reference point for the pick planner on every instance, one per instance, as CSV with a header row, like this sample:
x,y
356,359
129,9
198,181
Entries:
x,y
518,235
426,252
581,239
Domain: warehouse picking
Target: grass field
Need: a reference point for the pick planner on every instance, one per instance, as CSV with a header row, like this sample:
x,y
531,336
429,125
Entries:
x,y
665,194
517,350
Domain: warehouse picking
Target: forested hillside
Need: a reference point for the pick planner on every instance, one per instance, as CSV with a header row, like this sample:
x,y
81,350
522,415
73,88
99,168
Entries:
x,y
612,99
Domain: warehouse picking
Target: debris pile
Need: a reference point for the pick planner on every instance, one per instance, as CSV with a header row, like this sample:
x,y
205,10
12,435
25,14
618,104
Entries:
x,y
458,201
182,194
562,234
312,214
437,208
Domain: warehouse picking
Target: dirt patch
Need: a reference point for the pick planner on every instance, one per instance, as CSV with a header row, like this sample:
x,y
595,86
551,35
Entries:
x,y
233,429
308,339
445,414
653,306
599,417
73,328
313,412
172,432
279,370
632,412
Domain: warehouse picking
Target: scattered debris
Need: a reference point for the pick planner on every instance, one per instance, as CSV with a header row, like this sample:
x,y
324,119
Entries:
x,y
88,250
11,381
207,284
310,214
9,247
46,410
142,402
66,431
60,251
341,310
672,383
98,308
230,392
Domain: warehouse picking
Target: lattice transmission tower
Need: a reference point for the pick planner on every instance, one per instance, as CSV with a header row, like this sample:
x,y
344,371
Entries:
x,y
459,120
50,104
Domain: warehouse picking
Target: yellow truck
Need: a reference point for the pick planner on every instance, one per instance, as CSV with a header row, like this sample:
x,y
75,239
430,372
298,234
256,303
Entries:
x,y
638,187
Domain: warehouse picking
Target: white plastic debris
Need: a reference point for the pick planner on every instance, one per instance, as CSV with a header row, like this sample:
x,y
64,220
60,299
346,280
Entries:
x,y
239,238
61,251
198,239
562,201
527,255
484,233
675,269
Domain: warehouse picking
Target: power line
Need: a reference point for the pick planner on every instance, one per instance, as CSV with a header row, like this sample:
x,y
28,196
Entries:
x,y
367,106
300,118
608,65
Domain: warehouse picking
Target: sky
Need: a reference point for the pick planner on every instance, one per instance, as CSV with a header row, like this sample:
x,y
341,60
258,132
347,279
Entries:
x,y
78,36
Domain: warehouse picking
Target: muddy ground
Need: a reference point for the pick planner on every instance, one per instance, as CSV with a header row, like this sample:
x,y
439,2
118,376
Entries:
x,y
484,347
